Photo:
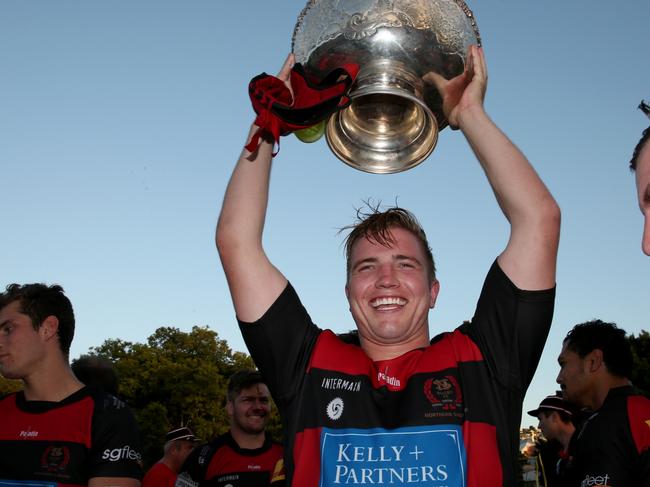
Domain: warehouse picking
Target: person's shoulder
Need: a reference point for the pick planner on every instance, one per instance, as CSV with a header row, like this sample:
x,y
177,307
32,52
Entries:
x,y
105,401
7,397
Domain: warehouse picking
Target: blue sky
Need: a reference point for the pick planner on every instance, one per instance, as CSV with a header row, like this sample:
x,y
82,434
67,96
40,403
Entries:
x,y
120,123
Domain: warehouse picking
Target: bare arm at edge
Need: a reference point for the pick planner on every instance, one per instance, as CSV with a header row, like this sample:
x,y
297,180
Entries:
x,y
253,280
529,259
113,482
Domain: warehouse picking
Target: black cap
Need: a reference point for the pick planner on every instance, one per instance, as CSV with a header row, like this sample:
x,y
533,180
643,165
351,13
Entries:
x,y
553,403
183,433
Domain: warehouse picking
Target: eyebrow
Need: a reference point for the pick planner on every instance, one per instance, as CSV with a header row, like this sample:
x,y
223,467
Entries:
x,y
407,257
367,260
397,257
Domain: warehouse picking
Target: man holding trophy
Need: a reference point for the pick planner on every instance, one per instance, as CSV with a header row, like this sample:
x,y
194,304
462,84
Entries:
x,y
398,408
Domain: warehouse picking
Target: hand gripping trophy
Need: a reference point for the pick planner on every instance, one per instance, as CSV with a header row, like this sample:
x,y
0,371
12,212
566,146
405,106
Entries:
x,y
381,61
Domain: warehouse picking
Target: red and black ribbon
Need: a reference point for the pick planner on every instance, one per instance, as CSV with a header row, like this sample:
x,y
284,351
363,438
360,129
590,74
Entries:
x,y
279,113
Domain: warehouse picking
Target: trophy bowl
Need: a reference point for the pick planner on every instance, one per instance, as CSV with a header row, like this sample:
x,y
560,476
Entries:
x,y
393,120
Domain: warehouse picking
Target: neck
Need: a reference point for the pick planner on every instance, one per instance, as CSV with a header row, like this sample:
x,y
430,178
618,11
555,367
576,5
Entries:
x,y
171,462
53,381
602,388
249,441
564,436
381,351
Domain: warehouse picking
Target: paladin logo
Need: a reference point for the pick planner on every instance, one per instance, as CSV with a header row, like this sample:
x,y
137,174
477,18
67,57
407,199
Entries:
x,y
384,377
28,433
335,409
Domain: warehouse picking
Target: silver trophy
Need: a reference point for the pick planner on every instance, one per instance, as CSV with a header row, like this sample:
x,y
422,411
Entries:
x,y
393,121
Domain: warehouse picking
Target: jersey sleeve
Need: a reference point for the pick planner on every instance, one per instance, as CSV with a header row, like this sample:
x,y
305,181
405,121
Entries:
x,y
115,449
638,410
510,326
281,343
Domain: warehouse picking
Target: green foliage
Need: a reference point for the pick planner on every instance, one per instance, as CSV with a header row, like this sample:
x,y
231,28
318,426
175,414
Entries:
x,y
641,354
7,386
176,378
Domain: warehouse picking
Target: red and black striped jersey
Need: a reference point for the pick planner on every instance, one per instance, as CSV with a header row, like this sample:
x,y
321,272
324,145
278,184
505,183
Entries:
x,y
613,445
444,415
222,463
64,444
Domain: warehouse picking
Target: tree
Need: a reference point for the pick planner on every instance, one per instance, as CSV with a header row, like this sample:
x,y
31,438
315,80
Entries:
x,y
7,386
175,379
641,355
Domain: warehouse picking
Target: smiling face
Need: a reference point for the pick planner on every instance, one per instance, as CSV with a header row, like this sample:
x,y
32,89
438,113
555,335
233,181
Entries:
x,y
643,192
389,291
249,411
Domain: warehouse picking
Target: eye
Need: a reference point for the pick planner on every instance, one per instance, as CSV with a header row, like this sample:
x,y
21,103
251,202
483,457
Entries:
x,y
406,265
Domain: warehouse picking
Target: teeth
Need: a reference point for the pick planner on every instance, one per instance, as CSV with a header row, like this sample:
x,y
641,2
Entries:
x,y
387,301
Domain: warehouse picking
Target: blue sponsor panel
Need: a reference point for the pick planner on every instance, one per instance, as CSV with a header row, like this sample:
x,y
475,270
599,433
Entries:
x,y
419,455
25,483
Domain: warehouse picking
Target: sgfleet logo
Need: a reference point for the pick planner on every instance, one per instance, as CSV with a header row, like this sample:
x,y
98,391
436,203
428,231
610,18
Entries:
x,y
432,456
124,453
590,480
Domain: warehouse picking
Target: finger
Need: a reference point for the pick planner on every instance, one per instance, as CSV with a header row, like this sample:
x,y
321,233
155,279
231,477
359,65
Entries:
x,y
480,66
286,67
469,62
436,80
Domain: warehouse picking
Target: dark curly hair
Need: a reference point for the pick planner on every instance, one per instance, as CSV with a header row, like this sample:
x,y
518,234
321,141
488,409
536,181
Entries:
x,y
242,379
645,108
597,334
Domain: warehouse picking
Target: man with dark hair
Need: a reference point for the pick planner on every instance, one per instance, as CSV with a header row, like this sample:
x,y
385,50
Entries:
x,y
56,431
613,445
640,163
179,443
556,418
244,456
398,409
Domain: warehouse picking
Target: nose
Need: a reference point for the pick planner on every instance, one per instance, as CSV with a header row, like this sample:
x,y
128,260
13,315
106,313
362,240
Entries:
x,y
259,404
645,242
387,277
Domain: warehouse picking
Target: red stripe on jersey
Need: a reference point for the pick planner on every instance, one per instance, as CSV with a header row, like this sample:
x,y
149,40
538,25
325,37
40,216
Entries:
x,y
483,463
638,410
227,461
70,423
446,353
306,456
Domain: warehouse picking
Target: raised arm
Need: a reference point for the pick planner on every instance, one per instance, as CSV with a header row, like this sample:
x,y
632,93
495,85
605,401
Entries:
x,y
529,258
254,282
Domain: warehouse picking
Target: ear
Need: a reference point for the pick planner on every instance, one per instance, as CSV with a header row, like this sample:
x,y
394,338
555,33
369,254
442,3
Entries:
x,y
435,289
230,409
49,328
595,360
